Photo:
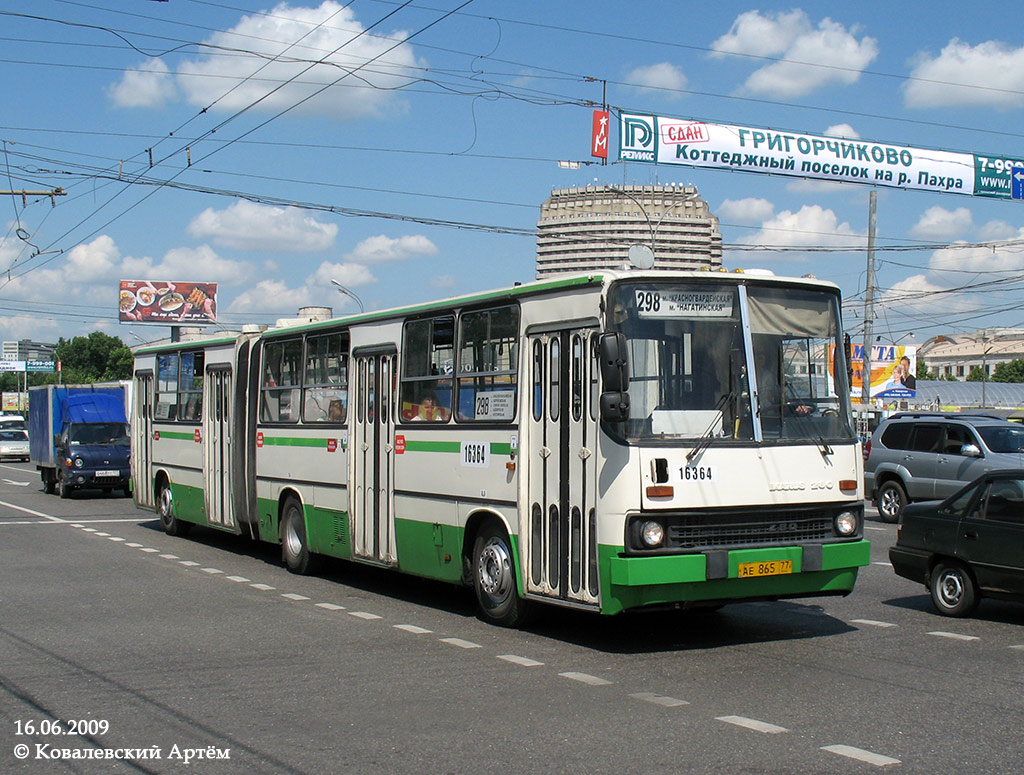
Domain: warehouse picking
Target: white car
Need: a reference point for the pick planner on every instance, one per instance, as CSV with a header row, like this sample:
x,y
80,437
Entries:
x,y
14,444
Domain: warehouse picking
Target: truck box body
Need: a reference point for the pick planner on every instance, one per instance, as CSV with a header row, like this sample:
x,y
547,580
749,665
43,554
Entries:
x,y
90,421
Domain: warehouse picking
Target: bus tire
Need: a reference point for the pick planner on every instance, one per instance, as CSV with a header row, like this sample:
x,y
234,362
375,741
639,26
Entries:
x,y
294,546
165,510
494,579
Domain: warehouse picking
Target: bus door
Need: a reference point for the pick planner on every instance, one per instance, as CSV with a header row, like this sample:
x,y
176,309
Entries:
x,y
216,443
371,452
560,535
142,440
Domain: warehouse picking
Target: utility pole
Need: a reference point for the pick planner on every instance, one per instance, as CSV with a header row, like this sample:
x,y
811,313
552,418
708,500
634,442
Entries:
x,y
869,303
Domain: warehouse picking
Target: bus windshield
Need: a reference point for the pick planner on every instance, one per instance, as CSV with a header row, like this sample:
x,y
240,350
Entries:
x,y
694,375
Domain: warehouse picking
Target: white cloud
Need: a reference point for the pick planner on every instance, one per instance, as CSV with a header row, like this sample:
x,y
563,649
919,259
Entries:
x,y
842,130
813,57
996,230
272,295
232,82
658,77
349,275
960,258
938,223
918,295
992,71
811,226
250,226
444,282
749,210
382,248
201,264
149,86
316,290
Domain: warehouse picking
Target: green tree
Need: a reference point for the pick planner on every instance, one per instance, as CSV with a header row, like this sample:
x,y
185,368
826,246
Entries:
x,y
1009,371
976,375
97,357
922,370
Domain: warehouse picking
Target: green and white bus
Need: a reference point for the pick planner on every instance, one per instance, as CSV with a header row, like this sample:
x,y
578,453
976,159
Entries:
x,y
606,441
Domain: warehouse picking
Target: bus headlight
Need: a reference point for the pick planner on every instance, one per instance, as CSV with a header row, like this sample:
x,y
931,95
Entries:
x,y
652,533
846,523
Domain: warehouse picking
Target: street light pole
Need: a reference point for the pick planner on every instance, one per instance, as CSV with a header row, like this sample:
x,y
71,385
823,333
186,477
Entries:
x,y
346,292
653,228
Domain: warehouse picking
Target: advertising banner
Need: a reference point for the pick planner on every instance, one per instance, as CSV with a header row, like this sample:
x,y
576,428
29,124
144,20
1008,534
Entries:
x,y
167,303
599,134
660,140
893,371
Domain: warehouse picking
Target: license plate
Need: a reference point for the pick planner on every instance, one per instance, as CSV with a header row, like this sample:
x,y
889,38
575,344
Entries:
x,y
772,568
114,474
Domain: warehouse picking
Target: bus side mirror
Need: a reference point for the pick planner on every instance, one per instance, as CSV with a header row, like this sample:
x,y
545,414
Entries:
x,y
613,355
612,350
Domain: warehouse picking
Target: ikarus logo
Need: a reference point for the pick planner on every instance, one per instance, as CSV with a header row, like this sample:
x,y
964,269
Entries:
x,y
637,138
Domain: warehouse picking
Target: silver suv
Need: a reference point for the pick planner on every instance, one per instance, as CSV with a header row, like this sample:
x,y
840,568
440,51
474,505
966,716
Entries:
x,y
923,456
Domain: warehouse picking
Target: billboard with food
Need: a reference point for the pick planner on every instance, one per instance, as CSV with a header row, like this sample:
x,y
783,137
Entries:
x,y
167,303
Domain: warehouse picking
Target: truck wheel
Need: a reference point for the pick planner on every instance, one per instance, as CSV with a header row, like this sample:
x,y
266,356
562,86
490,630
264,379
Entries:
x,y
49,482
63,488
165,509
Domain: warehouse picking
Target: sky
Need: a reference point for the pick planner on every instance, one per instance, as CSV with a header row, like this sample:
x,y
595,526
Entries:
x,y
403,149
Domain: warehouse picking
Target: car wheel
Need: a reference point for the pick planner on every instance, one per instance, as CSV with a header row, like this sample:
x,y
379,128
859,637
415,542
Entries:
x,y
494,579
953,590
165,509
892,498
294,546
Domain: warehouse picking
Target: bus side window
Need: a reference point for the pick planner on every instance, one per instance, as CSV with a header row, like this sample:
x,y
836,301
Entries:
x,y
488,364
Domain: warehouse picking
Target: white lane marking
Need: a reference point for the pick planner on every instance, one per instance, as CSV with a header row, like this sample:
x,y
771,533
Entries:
x,y
212,570
657,699
166,556
34,513
187,563
585,678
331,606
115,538
262,587
236,578
860,754
1019,648
873,623
524,661
135,546
462,644
151,550
413,629
293,596
754,724
954,636
872,527
364,615
883,564
16,484
88,530
103,534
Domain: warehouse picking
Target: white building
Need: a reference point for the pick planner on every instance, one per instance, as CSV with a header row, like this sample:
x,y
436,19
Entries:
x,y
593,227
954,355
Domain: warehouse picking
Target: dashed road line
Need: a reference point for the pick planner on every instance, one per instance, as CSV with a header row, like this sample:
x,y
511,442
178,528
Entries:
x,y
873,623
331,606
293,596
262,587
754,724
462,644
364,615
134,545
585,678
413,629
212,571
236,578
115,538
167,556
954,635
522,661
186,563
861,755
150,550
657,699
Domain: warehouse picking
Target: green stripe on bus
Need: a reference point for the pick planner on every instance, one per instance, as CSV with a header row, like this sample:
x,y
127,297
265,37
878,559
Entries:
x,y
293,441
190,436
497,447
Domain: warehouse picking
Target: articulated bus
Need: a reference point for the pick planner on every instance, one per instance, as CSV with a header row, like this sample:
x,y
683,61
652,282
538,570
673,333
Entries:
x,y
607,441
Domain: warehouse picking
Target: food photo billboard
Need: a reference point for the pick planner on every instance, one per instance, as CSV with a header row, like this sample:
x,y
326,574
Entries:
x,y
167,303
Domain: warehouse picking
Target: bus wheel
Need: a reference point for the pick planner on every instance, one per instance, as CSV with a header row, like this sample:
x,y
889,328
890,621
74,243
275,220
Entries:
x,y
294,546
165,509
494,579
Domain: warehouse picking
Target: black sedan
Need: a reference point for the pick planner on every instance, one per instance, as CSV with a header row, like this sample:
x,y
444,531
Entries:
x,y
969,546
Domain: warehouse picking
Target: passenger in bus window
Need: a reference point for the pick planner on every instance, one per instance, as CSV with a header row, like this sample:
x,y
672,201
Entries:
x,y
430,409
335,411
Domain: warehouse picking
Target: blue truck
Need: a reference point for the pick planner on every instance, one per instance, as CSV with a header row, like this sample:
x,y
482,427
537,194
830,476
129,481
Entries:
x,y
78,437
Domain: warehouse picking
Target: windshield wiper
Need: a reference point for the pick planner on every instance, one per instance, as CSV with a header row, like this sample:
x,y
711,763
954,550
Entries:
x,y
705,439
